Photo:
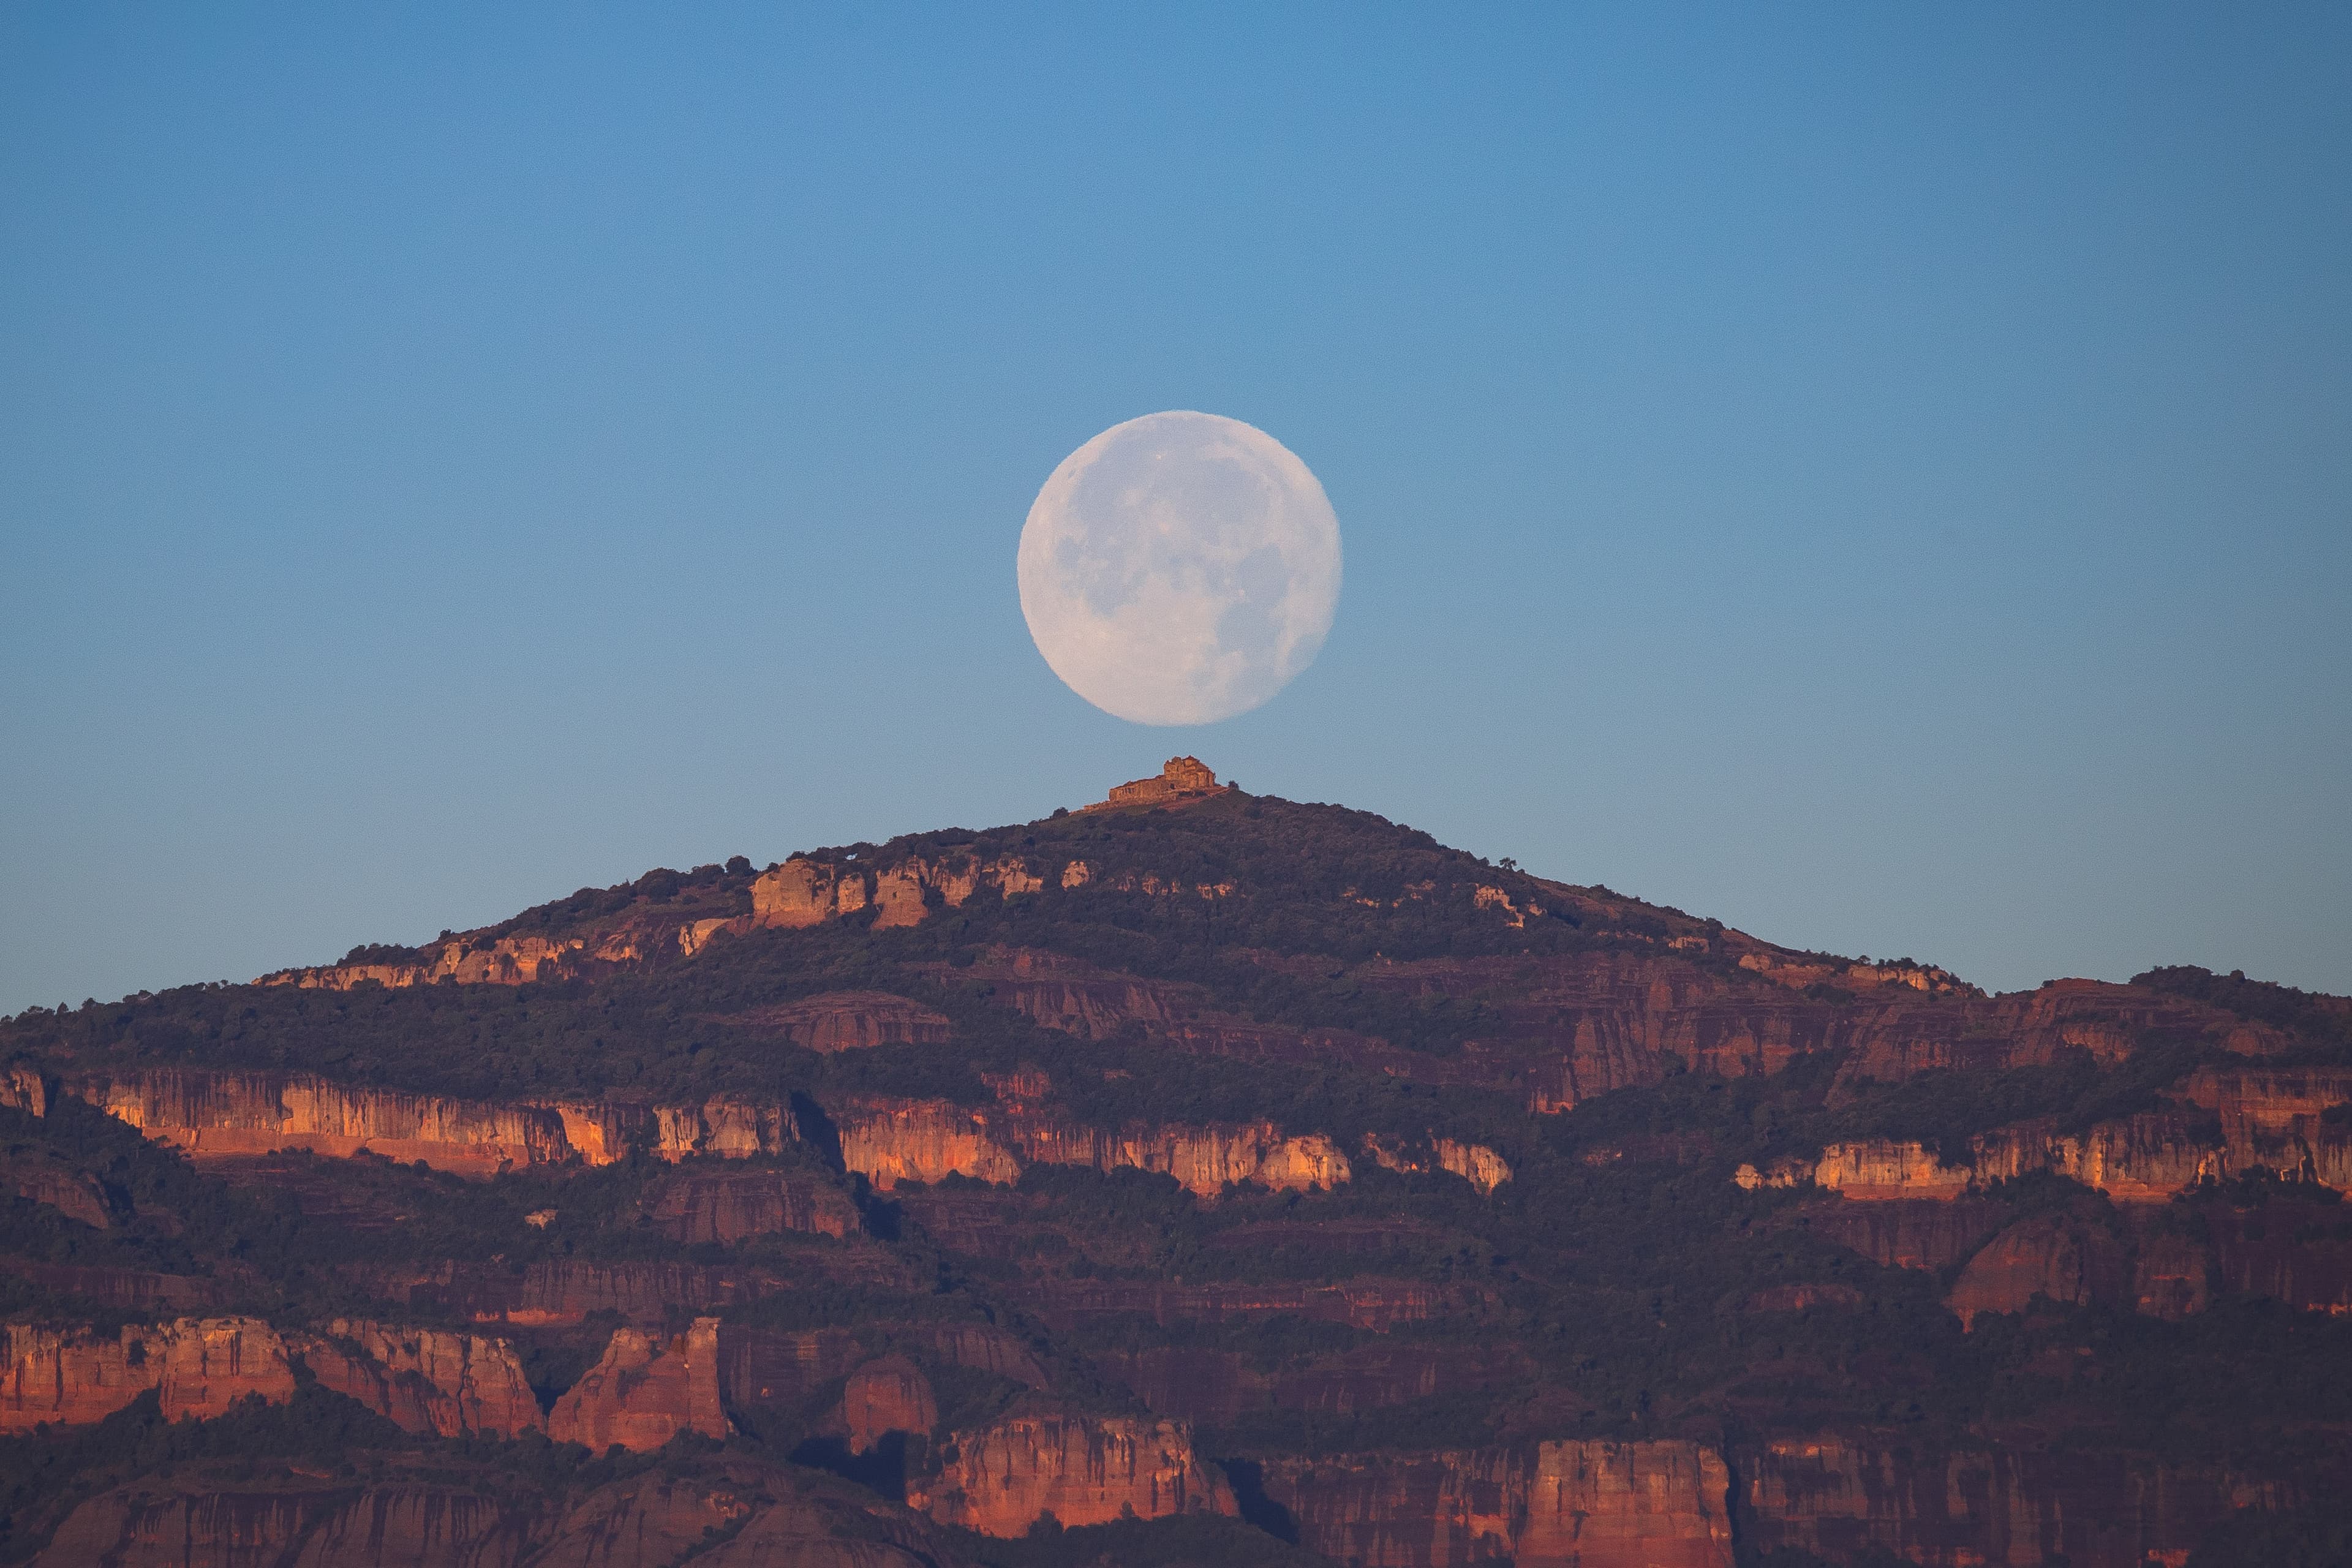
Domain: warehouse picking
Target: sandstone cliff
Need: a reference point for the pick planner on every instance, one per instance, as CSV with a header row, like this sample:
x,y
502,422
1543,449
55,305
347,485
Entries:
x,y
1083,1470
888,1395
1842,1495
221,1114
198,1367
1575,1504
728,1205
890,1141
645,1391
426,1380
2070,1261
1473,1162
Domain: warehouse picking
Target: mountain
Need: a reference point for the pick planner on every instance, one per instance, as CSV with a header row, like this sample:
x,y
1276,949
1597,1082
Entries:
x,y
1197,1178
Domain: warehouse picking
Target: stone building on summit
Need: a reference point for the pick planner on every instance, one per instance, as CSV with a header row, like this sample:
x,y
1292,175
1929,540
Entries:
x,y
1181,781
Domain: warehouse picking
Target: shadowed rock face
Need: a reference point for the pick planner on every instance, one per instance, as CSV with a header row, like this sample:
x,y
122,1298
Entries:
x,y
728,1205
888,1395
645,1391
2071,1261
851,1020
1083,1470
1587,1504
730,1512
424,1380
199,1366
1840,1496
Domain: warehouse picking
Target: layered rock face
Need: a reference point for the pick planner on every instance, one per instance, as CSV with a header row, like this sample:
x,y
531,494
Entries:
x,y
508,961
1914,1233
889,1141
800,892
42,1181
1473,1162
728,1205
199,1366
2068,1260
2269,1121
1843,1497
426,1380
213,1115
644,1392
1576,1504
853,1020
1082,1470
885,1396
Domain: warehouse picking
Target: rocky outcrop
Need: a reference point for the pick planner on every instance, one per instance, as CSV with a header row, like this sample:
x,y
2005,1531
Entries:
x,y
885,1396
728,1207
1574,1504
426,1380
801,892
225,1115
238,1113
41,1180
471,961
198,1366
22,1087
1908,1233
1082,1470
1875,1169
1844,1497
645,1391
889,1141
851,1020
2071,1261
1473,1162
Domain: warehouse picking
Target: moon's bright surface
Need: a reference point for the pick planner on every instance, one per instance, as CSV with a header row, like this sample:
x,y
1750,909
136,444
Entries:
x,y
1180,568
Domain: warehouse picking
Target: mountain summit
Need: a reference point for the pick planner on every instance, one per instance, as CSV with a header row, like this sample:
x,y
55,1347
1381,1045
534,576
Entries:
x,y
1192,1177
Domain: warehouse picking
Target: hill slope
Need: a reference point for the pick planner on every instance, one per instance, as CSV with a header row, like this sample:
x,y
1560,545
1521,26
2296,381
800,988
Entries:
x,y
1269,1173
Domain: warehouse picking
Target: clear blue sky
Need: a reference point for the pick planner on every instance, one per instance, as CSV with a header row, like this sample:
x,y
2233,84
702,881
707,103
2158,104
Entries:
x,y
1881,475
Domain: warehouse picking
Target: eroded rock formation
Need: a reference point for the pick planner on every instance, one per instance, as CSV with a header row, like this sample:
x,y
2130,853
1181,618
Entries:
x,y
2071,1261
645,1391
199,1366
1572,1504
728,1205
1083,1470
426,1380
885,1396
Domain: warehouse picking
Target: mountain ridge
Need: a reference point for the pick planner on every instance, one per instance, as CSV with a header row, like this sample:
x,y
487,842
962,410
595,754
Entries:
x,y
1269,1172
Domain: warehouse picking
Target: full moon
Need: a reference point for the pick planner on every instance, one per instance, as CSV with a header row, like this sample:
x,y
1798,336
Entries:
x,y
1180,568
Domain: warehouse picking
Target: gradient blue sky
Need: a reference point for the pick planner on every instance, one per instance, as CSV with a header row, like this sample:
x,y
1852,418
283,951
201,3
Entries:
x,y
1879,475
